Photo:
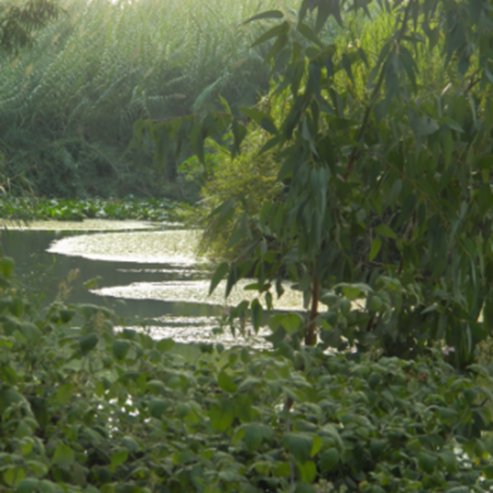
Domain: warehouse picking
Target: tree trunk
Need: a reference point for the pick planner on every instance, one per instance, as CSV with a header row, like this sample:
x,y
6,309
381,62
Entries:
x,y
311,328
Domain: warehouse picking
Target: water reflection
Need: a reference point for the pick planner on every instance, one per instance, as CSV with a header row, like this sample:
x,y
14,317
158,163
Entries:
x,y
186,291
152,279
188,330
174,247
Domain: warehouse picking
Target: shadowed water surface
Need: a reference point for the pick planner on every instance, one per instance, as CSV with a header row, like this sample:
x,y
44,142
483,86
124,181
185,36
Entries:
x,y
151,277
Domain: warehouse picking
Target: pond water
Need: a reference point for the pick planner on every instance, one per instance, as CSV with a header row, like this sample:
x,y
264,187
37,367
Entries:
x,y
148,273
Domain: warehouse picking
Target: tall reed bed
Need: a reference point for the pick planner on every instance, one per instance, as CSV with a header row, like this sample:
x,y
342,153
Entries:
x,y
68,105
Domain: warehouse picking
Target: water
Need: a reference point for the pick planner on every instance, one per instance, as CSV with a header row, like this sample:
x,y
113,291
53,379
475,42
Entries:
x,y
150,276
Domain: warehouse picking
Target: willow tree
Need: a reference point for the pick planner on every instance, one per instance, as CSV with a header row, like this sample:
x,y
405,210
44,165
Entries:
x,y
382,125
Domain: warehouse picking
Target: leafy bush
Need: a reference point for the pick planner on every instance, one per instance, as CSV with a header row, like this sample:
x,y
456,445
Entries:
x,y
234,192
86,408
384,165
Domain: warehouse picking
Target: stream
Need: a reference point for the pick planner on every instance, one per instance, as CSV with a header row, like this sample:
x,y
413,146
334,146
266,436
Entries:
x,y
148,273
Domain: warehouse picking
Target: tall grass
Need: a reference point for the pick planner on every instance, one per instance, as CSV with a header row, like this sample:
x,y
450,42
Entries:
x,y
68,105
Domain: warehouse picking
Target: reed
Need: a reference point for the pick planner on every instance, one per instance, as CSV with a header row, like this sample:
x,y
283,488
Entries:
x,y
68,104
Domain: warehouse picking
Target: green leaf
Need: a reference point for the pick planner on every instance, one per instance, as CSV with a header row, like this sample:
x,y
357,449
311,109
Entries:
x,y
309,34
233,277
423,126
222,416
226,382
329,460
376,244
63,456
63,394
13,475
278,31
385,231
93,283
290,322
316,446
299,444
427,461
308,471
130,444
88,343
327,8
352,291
261,118
268,14
28,485
219,274
157,407
254,434
6,267
165,344
257,314
121,348
118,458
46,486
239,134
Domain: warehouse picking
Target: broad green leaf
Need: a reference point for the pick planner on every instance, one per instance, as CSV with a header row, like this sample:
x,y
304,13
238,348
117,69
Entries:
x,y
118,458
329,459
308,471
156,386
28,485
352,291
6,267
158,407
290,322
46,486
226,381
63,456
165,344
88,343
222,416
299,444
64,394
121,348
254,434
13,475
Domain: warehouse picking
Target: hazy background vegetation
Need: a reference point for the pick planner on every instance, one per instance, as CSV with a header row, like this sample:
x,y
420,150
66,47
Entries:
x,y
68,104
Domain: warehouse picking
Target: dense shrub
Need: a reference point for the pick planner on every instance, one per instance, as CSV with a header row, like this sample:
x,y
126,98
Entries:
x,y
86,408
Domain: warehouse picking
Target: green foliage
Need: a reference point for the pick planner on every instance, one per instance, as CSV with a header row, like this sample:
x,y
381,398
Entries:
x,y
68,105
19,22
385,172
235,191
94,409
74,210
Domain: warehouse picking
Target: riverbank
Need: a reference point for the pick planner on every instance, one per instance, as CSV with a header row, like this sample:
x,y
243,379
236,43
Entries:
x,y
60,209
